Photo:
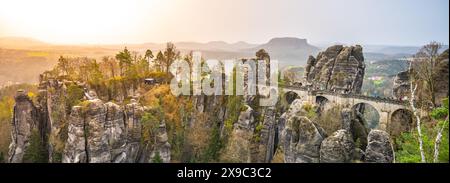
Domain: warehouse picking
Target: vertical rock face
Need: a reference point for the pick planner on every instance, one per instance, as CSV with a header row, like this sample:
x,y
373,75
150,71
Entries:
x,y
267,136
133,113
401,86
442,77
162,146
97,142
101,133
353,123
53,104
301,140
239,145
338,68
115,131
24,121
379,148
75,148
337,148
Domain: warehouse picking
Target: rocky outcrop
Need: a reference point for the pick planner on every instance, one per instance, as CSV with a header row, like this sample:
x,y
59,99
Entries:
x,y
337,148
55,100
75,148
442,77
162,146
97,142
353,122
338,68
100,133
133,113
266,140
115,131
24,121
239,145
300,140
303,141
379,148
401,86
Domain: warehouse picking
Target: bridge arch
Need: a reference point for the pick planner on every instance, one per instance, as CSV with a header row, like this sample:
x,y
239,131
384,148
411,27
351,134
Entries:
x,y
401,120
290,96
322,102
368,113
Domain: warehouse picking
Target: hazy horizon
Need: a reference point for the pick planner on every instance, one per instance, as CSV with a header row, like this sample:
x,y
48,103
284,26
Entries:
x,y
369,22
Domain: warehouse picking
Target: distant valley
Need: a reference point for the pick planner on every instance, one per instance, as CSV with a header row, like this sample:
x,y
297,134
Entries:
x,y
22,59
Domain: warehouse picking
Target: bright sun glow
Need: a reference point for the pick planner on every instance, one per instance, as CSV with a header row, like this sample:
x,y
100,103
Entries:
x,y
75,21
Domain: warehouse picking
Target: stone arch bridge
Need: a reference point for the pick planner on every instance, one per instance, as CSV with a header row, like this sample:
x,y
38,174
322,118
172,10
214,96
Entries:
x,y
386,107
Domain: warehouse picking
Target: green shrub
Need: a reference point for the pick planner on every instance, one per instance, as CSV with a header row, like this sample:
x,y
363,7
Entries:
x,y
408,142
157,158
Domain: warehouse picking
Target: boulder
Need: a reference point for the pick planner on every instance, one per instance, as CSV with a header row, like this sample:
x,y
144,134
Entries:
x,y
301,140
337,148
379,148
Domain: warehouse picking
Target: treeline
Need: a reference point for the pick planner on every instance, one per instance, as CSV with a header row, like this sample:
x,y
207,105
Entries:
x,y
117,75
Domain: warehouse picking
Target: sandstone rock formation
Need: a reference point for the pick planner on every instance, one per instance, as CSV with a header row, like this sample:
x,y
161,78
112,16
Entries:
x,y
162,146
24,122
75,148
115,131
354,123
239,146
337,148
267,134
442,77
301,140
338,68
97,142
401,88
133,113
91,132
379,148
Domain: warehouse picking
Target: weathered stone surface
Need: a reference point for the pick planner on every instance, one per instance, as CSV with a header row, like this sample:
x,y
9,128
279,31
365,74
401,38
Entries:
x,y
355,125
239,145
75,148
162,146
133,113
301,140
379,148
23,122
337,148
442,77
338,68
57,114
266,140
115,131
346,116
401,88
97,141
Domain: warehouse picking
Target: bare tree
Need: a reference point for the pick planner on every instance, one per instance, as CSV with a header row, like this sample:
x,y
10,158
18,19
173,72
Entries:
x,y
425,69
437,142
412,100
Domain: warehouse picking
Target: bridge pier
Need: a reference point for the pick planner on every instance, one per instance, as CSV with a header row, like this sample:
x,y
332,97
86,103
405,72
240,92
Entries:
x,y
384,120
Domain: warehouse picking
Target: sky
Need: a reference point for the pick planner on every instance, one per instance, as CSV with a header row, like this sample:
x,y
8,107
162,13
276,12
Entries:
x,y
383,22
